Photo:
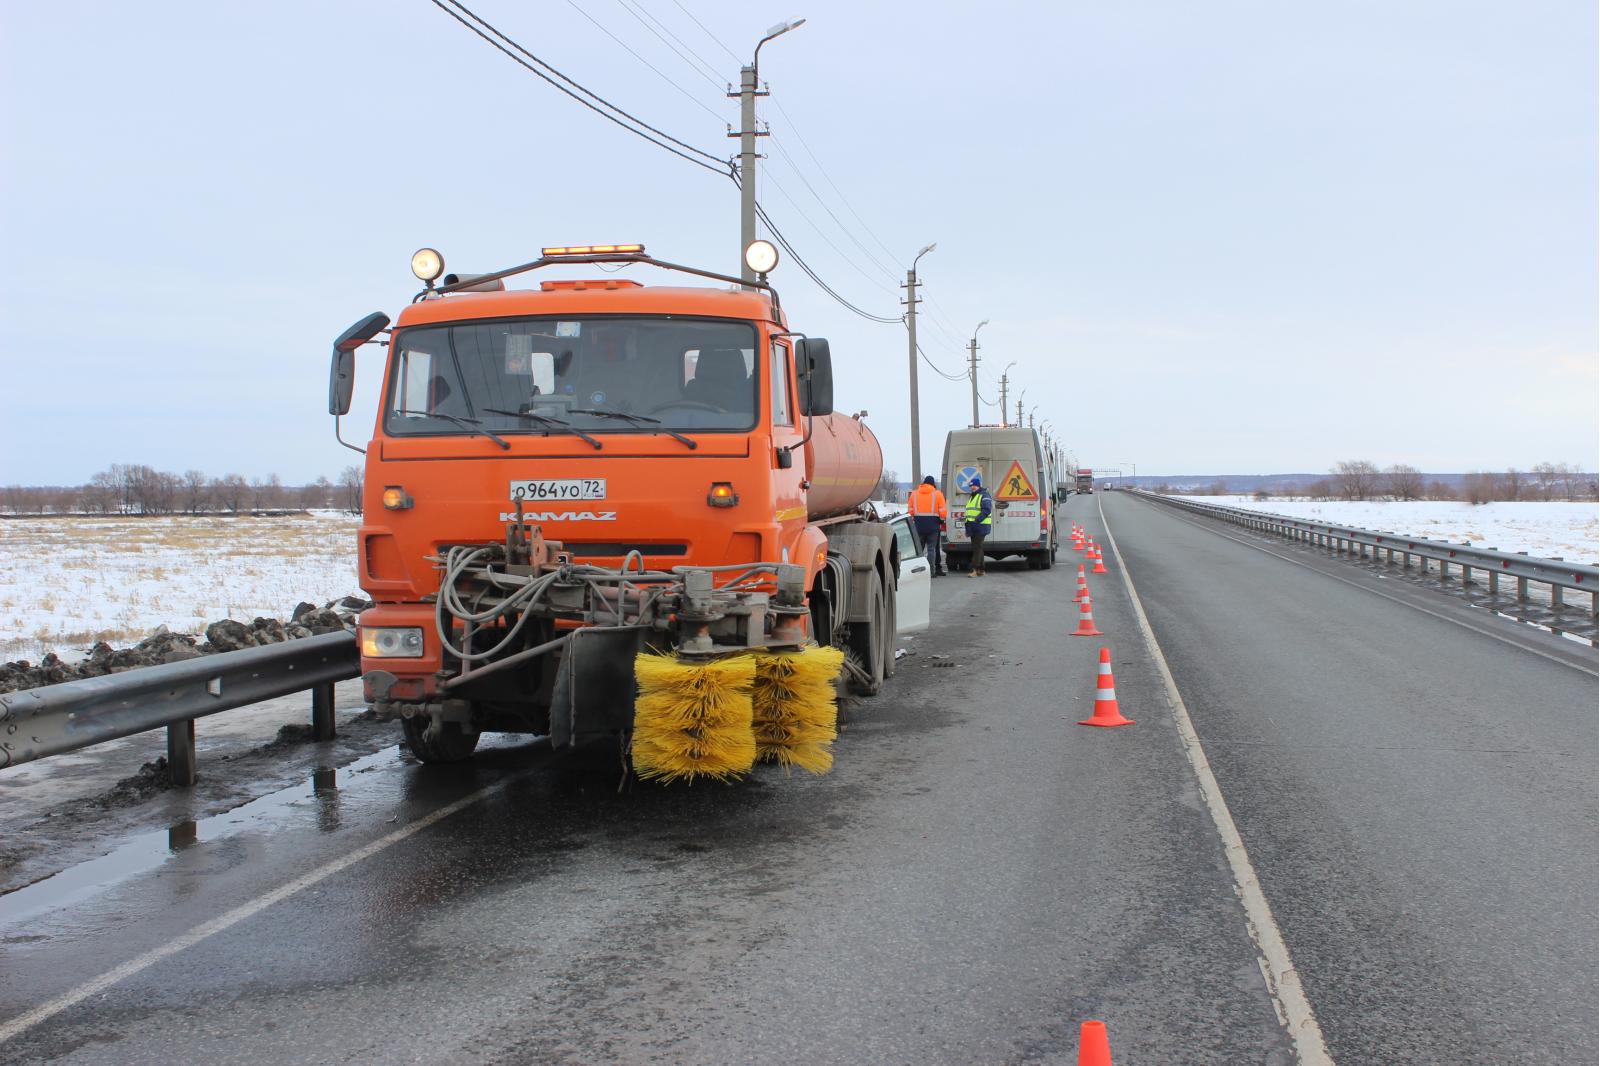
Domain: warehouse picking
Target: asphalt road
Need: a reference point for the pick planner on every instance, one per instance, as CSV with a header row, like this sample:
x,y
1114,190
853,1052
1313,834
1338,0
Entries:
x,y
976,876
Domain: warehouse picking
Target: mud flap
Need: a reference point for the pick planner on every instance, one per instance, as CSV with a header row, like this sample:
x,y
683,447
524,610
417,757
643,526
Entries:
x,y
594,690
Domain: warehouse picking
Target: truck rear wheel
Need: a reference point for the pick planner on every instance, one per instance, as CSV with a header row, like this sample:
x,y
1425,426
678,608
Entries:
x,y
449,743
867,641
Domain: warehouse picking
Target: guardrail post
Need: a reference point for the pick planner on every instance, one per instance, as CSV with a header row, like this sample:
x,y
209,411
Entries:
x,y
180,752
322,727
1557,601
1466,575
1494,582
1522,588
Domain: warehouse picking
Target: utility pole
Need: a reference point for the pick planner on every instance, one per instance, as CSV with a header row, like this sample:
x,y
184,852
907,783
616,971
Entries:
x,y
749,89
1019,415
747,162
1003,381
911,302
972,369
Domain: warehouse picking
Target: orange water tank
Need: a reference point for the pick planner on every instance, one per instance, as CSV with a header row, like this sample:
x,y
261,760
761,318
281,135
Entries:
x,y
843,464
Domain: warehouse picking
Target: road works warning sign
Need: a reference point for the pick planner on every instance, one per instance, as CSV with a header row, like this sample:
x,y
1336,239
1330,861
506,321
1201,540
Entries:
x,y
1015,485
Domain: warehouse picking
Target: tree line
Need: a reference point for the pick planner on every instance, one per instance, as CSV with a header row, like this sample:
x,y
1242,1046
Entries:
x,y
1361,479
131,489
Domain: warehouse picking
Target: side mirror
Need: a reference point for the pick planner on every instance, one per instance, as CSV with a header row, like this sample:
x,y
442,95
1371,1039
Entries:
x,y
816,377
342,374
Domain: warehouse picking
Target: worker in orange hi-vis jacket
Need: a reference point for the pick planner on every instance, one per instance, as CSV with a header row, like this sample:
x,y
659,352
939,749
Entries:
x,y
929,512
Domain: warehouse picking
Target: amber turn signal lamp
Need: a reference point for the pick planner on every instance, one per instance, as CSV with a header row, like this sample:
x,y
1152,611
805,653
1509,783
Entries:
x,y
722,495
395,499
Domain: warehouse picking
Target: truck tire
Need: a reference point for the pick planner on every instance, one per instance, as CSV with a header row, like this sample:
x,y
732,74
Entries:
x,y
891,622
450,744
866,643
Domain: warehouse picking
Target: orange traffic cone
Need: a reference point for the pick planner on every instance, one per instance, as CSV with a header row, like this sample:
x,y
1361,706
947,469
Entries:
x,y
1086,621
1083,586
1094,1047
1106,712
1099,562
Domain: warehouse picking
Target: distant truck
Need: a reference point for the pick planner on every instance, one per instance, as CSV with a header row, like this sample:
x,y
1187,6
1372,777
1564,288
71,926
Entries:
x,y
561,478
1085,480
1014,466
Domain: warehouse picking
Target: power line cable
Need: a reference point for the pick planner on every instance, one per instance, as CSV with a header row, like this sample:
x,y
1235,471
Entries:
x,y
698,65
783,242
707,32
893,274
837,250
597,25
824,170
721,166
937,369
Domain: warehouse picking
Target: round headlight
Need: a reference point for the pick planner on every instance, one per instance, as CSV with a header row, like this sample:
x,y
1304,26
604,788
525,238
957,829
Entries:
x,y
427,264
761,257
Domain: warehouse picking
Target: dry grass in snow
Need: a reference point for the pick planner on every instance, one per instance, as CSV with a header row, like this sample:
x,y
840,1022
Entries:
x,y
67,582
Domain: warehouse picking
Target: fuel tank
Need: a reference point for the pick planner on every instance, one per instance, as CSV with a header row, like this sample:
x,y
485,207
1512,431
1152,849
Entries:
x,y
843,464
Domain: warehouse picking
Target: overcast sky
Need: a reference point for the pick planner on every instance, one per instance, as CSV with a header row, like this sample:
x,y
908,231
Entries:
x,y
1215,238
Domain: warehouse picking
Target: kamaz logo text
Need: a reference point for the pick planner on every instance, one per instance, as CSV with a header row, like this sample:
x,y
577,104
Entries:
x,y
560,516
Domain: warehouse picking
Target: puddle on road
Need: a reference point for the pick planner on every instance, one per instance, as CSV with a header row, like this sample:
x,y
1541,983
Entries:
x,y
148,851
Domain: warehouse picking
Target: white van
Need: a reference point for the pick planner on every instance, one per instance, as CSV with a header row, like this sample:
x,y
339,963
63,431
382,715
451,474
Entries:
x,y
1014,469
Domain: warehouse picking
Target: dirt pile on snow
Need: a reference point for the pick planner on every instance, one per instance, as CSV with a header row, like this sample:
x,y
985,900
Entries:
x,y
164,646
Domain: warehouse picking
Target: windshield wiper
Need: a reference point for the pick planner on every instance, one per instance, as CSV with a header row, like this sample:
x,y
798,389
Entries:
x,y
546,420
638,420
471,425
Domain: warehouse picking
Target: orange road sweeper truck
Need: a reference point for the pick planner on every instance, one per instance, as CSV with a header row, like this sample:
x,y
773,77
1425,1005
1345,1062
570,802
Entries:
x,y
602,509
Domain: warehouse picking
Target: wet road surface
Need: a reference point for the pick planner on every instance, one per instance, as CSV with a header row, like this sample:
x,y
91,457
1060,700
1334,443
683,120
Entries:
x,y
976,876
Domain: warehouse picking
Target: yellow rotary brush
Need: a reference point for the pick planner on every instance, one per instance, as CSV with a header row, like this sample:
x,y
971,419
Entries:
x,y
692,719
797,707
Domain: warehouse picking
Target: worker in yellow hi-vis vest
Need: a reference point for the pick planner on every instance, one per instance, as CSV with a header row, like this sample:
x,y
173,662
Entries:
x,y
980,519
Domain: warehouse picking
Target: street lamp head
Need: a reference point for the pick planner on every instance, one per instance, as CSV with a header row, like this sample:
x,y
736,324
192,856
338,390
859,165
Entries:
x,y
926,250
783,27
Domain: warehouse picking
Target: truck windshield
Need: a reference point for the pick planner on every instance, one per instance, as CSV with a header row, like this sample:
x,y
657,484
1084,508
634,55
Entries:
x,y
573,375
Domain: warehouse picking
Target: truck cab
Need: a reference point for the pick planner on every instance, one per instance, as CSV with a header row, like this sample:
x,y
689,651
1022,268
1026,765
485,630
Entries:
x,y
562,477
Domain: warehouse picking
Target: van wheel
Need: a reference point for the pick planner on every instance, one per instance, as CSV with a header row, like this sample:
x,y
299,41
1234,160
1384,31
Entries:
x,y
450,743
866,643
1047,559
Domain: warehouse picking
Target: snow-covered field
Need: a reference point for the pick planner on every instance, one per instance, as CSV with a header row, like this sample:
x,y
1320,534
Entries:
x,y
1551,530
68,582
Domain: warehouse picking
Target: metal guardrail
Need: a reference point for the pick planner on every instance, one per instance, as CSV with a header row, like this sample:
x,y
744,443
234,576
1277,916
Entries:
x,y
53,719
1559,574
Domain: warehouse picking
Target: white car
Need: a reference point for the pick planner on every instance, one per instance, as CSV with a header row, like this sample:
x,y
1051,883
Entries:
x,y
916,579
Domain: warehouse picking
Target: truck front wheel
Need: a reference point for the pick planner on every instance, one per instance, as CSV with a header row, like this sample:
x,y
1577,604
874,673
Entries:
x,y
448,743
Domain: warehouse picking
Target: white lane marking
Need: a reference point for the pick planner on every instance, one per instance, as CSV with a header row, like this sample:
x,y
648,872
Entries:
x,y
1283,980
22,1023
1490,633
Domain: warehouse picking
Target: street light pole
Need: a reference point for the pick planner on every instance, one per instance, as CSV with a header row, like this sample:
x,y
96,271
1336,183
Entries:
x,y
911,331
748,91
972,369
1003,381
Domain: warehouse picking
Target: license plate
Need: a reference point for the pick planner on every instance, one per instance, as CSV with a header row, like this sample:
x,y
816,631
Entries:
x,y
582,488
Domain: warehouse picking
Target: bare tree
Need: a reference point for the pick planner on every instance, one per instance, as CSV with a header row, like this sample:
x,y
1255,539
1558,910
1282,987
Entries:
x,y
352,481
888,488
196,492
1513,485
1478,487
1403,482
1438,490
1355,479
1320,490
231,492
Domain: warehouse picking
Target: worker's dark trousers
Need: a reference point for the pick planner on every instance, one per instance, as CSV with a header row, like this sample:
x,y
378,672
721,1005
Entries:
x,y
977,551
928,530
